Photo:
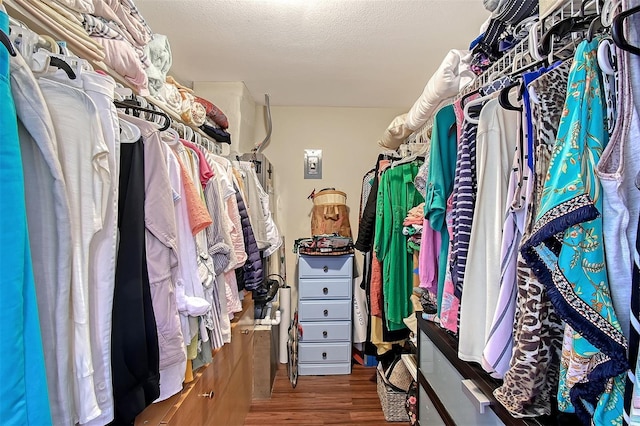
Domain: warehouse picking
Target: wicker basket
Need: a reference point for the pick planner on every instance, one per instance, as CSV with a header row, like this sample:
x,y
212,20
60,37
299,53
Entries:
x,y
329,196
393,402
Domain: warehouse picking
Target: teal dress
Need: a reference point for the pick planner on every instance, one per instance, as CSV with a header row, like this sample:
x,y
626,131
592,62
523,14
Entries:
x,y
442,170
23,389
566,252
396,196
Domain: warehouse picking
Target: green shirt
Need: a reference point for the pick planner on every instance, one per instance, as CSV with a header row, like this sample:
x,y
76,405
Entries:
x,y
396,196
442,170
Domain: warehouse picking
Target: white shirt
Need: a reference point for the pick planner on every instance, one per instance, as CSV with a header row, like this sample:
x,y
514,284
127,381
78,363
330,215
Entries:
x,y
100,89
83,156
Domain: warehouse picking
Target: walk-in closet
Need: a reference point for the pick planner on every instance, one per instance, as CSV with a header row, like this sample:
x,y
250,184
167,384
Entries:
x,y
320,212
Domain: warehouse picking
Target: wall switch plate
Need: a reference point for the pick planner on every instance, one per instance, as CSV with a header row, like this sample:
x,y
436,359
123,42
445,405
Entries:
x,y
313,164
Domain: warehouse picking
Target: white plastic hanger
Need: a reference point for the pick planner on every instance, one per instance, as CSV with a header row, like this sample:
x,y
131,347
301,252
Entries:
x,y
188,133
420,149
24,40
607,57
170,137
121,92
129,132
534,39
477,101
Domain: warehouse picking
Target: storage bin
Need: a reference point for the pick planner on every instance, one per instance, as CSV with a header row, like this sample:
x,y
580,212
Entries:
x,y
329,196
392,401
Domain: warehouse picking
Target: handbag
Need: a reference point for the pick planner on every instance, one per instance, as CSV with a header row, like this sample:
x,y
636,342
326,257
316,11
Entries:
x,y
398,376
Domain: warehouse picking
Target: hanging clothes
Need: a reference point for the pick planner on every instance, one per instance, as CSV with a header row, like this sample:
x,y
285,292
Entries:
x,y
499,343
252,193
100,88
442,163
618,165
497,135
135,353
531,382
632,388
250,275
84,157
48,217
161,247
566,253
23,394
396,195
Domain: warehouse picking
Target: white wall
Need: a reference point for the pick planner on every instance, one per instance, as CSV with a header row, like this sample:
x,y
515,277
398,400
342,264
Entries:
x,y
234,99
348,140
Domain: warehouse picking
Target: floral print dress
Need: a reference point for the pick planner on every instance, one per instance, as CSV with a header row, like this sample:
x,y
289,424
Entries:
x,y
566,252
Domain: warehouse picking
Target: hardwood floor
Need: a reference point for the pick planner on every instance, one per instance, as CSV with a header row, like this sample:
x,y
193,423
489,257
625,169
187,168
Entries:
x,y
321,400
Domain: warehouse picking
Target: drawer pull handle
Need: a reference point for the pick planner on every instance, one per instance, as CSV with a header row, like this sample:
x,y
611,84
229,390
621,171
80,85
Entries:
x,y
326,313
325,268
325,291
477,397
245,331
324,355
325,334
209,395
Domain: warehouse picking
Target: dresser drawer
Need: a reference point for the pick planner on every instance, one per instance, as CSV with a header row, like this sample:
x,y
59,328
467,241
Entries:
x,y
330,288
321,353
428,414
447,384
320,310
325,266
324,369
326,331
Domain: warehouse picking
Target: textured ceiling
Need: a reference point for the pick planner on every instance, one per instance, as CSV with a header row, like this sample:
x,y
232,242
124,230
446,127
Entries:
x,y
352,53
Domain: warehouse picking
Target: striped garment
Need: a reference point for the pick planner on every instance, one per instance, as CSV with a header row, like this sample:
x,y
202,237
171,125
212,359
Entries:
x,y
97,26
464,192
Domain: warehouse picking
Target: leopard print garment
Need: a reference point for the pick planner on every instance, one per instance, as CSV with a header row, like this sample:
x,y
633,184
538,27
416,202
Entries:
x,y
532,379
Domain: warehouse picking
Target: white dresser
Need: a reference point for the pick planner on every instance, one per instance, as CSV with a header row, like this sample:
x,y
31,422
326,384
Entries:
x,y
325,308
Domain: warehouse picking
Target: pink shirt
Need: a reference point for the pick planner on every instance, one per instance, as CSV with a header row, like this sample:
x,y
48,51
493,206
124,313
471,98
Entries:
x,y
205,171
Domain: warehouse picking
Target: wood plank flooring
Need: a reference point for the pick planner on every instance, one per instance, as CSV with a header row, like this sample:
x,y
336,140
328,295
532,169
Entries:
x,y
321,400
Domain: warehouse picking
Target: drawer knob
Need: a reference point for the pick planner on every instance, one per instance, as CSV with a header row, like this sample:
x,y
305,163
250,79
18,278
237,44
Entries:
x,y
324,355
325,334
326,312
245,331
209,395
325,291
325,268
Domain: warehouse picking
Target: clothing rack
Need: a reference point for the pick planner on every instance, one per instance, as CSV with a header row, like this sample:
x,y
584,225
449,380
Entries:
x,y
525,54
21,18
175,122
178,124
